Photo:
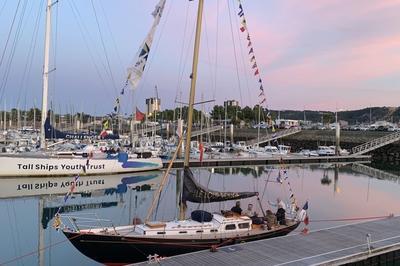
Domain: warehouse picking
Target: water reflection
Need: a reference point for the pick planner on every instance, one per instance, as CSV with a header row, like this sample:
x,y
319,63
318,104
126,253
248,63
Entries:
x,y
29,204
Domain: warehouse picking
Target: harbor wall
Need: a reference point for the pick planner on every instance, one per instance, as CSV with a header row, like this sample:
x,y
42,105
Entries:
x,y
311,139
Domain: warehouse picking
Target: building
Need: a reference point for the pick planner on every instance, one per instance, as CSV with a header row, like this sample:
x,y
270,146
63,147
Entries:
x,y
287,123
153,105
231,103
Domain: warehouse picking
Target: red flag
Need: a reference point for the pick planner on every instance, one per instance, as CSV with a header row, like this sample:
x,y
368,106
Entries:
x,y
242,29
256,73
139,115
306,220
103,134
304,231
201,148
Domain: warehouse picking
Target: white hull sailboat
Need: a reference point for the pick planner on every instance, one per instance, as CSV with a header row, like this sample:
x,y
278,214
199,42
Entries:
x,y
46,163
55,165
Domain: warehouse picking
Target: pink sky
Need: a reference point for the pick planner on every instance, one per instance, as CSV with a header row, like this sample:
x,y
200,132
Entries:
x,y
332,54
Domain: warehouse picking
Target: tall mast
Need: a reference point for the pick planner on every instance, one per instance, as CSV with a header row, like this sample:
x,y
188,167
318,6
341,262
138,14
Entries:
x,y
182,206
45,73
193,82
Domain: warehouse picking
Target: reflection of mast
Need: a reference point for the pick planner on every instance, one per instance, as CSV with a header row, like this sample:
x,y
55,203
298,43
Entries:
x,y
179,189
41,232
192,93
336,188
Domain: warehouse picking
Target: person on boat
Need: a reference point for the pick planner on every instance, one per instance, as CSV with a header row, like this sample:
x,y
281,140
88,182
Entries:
x,y
236,209
280,213
271,220
249,212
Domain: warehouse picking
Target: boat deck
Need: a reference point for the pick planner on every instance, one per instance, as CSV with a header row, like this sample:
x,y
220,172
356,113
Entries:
x,y
333,246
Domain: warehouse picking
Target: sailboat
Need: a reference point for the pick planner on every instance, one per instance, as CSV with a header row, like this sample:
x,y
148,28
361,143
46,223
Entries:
x,y
91,161
139,242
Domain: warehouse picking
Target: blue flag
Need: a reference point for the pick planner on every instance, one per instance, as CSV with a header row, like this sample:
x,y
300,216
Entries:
x,y
305,207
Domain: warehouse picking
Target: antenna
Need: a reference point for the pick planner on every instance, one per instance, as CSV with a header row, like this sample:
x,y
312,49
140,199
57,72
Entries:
x,y
156,91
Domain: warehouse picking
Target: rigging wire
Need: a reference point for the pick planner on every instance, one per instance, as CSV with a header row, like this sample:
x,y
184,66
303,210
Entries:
x,y
31,52
9,33
10,58
2,7
208,52
178,89
111,34
216,52
85,35
157,43
234,51
55,55
243,62
104,49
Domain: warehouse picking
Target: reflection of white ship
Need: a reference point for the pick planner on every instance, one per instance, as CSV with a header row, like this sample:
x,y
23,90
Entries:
x,y
25,187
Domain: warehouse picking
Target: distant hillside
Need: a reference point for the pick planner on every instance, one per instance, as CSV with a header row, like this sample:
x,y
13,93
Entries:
x,y
391,114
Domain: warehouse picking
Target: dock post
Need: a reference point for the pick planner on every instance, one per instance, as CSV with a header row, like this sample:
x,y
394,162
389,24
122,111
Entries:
x,y
231,134
337,150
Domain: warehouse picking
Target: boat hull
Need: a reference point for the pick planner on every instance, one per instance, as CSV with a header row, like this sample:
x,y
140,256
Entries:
x,y
12,166
120,250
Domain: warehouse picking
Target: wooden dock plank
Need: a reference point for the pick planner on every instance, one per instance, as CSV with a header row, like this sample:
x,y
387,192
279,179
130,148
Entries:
x,y
336,245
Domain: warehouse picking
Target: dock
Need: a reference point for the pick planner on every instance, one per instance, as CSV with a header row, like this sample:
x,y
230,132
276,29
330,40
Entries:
x,y
271,160
375,243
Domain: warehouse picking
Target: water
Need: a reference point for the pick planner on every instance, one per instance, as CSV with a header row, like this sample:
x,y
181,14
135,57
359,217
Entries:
x,y
332,193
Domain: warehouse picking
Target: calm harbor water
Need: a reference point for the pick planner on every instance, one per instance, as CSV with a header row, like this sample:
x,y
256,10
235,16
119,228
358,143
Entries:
x,y
27,205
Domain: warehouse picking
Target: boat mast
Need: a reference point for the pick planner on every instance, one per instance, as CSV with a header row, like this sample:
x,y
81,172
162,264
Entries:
x,y
193,81
182,208
45,73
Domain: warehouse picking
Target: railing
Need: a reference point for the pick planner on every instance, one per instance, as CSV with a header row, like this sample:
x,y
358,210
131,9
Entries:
x,y
87,221
274,136
373,172
376,143
206,130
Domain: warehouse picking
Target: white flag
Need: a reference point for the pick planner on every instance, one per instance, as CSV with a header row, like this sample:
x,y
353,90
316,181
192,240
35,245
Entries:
x,y
135,72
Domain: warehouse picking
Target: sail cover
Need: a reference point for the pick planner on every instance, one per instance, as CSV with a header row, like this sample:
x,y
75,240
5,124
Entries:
x,y
194,192
135,72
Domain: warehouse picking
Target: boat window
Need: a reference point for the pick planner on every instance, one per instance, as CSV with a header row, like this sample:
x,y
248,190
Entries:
x,y
182,232
160,233
230,227
201,231
213,230
244,225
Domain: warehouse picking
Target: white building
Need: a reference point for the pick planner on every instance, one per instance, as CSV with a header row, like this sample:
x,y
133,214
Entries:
x,y
287,123
153,105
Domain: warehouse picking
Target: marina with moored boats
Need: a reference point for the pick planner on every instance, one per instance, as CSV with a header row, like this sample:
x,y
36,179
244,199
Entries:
x,y
184,186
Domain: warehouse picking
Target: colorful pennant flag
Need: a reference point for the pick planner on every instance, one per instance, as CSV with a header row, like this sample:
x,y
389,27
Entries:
x,y
139,115
116,106
256,73
241,14
251,51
